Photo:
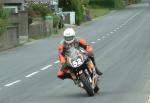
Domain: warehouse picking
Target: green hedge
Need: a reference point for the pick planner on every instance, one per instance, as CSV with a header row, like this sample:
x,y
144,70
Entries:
x,y
56,20
3,20
112,3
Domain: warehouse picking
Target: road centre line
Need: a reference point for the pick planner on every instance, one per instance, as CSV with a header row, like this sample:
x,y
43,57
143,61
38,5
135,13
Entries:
x,y
148,99
46,67
103,37
107,34
56,62
114,30
30,75
93,42
111,32
118,28
98,39
7,85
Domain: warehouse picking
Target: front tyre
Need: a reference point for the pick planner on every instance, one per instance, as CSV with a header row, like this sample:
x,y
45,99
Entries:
x,y
96,89
87,85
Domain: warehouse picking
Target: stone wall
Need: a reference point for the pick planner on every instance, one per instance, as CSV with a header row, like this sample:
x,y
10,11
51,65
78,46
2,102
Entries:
x,y
9,38
21,19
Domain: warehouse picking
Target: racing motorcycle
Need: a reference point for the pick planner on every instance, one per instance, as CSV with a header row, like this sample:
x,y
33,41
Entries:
x,y
77,60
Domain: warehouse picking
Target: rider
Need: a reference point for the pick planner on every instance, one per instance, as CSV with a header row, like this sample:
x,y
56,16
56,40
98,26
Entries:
x,y
71,40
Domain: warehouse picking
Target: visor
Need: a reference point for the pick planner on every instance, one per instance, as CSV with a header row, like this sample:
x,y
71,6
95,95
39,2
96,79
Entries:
x,y
69,38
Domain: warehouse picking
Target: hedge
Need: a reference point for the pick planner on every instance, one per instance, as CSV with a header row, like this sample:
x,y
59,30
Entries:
x,y
3,20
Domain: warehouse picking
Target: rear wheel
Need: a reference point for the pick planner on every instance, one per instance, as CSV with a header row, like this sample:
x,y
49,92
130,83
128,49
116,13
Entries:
x,y
87,85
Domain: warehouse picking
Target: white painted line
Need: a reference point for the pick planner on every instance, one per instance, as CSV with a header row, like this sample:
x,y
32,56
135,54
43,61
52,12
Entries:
x,y
30,75
111,32
103,37
56,62
93,42
148,99
108,34
44,68
120,26
7,85
117,28
98,39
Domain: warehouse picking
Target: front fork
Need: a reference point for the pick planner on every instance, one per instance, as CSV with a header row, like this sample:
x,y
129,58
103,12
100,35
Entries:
x,y
93,73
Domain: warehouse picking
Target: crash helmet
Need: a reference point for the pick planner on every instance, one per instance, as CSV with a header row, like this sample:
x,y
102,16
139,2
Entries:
x,y
69,35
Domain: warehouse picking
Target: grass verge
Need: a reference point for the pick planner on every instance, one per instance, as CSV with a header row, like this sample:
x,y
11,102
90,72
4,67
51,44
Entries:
x,y
97,11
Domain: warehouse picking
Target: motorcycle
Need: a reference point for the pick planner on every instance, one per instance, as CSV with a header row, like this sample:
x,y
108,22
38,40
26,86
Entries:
x,y
82,75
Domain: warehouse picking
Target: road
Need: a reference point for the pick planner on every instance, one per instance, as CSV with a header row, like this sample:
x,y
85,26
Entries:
x,y
121,42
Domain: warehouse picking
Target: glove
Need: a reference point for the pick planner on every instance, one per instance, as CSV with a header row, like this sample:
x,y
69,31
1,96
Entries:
x,y
90,54
64,65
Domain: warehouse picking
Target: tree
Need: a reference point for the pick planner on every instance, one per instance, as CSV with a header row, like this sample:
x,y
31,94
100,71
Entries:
x,y
85,2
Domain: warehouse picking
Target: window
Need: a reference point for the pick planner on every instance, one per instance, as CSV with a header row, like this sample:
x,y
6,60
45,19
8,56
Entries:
x,y
12,9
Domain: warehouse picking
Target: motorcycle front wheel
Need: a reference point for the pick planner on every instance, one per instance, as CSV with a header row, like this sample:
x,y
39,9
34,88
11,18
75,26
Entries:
x,y
87,85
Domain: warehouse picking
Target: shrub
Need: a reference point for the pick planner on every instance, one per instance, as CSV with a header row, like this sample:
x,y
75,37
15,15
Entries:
x,y
56,20
3,20
38,9
108,3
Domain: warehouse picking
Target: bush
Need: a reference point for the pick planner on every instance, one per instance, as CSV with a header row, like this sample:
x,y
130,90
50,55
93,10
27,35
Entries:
x,y
3,20
38,9
108,3
134,1
56,20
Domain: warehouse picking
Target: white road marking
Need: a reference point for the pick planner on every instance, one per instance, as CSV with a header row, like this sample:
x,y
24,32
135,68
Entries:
x,y
149,99
120,26
30,75
117,28
111,32
56,62
93,42
98,39
108,34
103,37
44,68
7,85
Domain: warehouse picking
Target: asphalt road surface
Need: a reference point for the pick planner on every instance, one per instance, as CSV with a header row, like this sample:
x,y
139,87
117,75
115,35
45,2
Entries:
x,y
121,42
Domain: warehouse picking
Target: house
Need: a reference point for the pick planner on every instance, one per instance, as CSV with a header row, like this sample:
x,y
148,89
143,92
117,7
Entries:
x,y
14,5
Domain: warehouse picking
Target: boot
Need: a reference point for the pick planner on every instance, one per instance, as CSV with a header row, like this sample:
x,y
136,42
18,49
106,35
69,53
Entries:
x,y
98,71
